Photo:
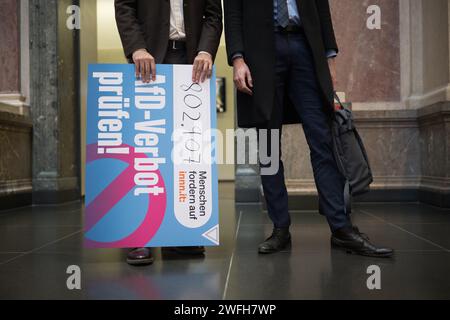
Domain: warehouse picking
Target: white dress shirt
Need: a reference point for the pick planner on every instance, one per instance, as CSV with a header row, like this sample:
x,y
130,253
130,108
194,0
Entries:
x,y
177,30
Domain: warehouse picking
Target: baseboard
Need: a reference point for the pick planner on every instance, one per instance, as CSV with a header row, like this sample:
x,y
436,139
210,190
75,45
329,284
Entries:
x,y
15,200
438,199
435,198
389,195
55,197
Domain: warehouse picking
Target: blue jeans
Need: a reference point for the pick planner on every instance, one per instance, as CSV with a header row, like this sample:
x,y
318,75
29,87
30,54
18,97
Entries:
x,y
296,78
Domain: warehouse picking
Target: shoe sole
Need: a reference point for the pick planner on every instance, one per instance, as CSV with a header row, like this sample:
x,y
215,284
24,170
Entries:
x,y
365,254
287,247
140,262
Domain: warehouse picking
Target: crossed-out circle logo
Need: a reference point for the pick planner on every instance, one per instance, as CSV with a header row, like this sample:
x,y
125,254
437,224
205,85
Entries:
x,y
110,218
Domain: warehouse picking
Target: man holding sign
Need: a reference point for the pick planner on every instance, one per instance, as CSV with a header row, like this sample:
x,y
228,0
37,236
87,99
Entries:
x,y
169,32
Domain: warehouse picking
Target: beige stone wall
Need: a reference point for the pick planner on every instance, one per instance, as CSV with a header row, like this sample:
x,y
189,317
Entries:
x,y
15,123
15,156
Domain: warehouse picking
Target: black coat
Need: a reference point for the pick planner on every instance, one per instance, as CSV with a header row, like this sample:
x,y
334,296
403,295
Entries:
x,y
146,24
249,28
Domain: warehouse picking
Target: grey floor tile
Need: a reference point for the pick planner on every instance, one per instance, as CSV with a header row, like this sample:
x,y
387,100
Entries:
x,y
316,238
311,270
44,216
43,276
36,277
5,257
406,213
27,238
438,233
65,207
336,275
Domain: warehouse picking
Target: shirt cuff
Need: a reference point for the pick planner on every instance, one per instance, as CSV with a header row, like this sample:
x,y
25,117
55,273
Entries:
x,y
236,56
209,54
331,53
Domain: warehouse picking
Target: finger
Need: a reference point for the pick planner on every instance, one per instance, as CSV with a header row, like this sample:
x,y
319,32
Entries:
x,y
142,70
136,67
153,69
194,70
247,91
236,83
204,72
244,87
210,68
249,79
147,71
199,71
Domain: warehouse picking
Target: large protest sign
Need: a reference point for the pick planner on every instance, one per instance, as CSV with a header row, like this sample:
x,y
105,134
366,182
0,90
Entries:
x,y
150,181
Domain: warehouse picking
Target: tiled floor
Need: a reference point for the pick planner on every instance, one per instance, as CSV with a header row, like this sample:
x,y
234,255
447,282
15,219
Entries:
x,y
38,244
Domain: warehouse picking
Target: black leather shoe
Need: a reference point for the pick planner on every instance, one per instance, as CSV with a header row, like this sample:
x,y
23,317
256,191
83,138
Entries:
x,y
278,241
363,235
140,257
190,251
352,241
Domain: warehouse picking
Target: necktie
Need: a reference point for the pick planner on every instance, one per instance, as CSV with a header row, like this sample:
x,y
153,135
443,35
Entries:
x,y
282,13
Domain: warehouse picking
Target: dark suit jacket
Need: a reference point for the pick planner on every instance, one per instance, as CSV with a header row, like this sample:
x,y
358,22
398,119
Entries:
x,y
146,24
249,28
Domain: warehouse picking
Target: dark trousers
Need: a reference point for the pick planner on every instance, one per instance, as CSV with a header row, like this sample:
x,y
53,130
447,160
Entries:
x,y
175,56
296,78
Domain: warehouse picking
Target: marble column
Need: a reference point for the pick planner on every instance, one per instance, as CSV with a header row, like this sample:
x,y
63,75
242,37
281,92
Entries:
x,y
368,65
55,107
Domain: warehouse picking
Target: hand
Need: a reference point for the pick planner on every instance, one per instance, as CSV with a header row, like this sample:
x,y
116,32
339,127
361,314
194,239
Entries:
x,y
202,69
332,66
145,65
242,76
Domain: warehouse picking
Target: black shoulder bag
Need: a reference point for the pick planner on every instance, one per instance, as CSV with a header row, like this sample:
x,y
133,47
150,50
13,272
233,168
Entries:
x,y
350,154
